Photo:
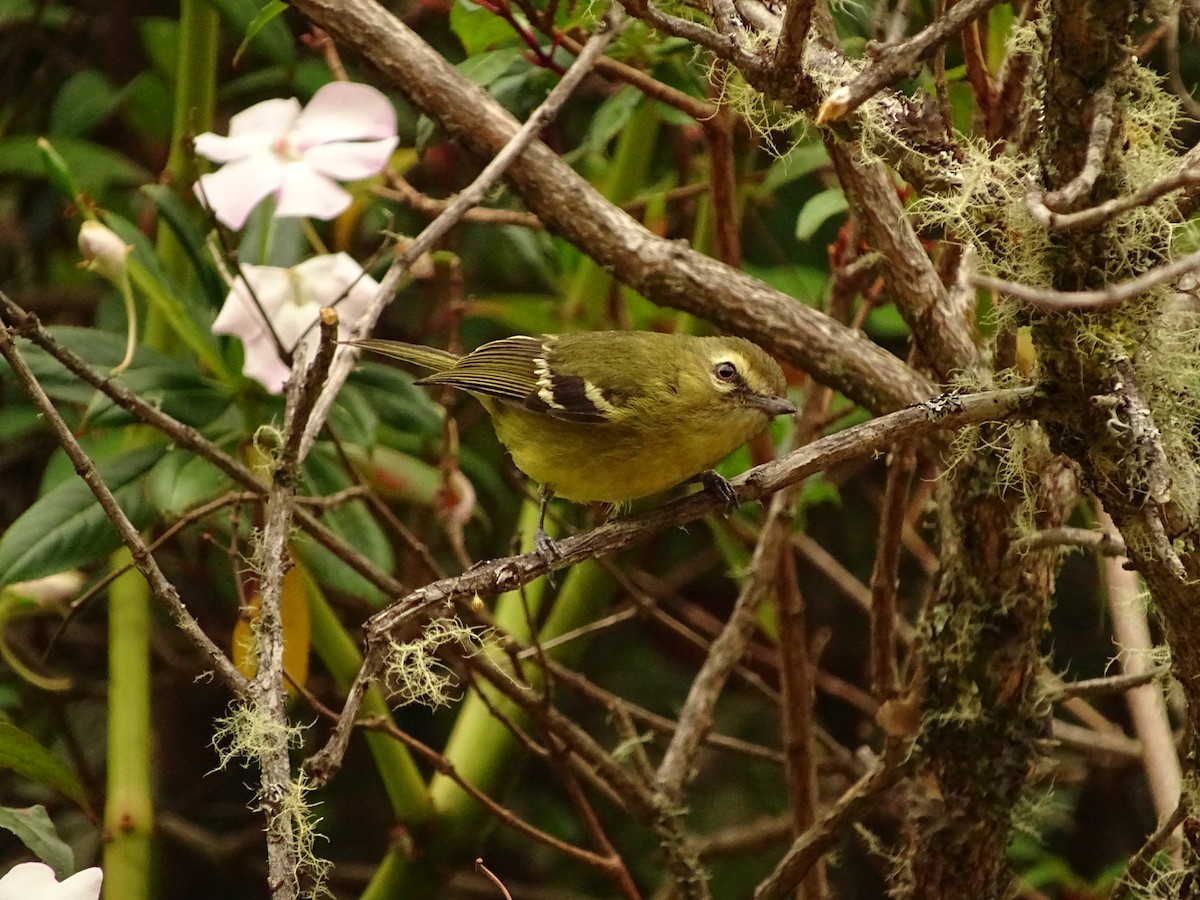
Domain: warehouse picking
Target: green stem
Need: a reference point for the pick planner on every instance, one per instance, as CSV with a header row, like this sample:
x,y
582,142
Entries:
x,y
481,748
129,809
195,102
126,290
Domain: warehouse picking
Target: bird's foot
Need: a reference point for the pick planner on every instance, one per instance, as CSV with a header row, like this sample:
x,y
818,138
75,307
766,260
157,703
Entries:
x,y
544,547
720,488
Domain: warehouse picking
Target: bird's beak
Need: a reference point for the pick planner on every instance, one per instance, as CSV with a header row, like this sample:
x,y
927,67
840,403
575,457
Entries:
x,y
772,406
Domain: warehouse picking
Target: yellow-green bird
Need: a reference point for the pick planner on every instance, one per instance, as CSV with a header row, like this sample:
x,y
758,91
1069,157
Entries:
x,y
612,416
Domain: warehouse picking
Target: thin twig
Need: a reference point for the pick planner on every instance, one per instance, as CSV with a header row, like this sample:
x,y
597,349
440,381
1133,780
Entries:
x,y
503,814
793,35
696,717
885,678
1083,538
1141,860
1045,205
1147,709
480,867
1102,212
274,560
1096,301
796,671
811,845
1112,684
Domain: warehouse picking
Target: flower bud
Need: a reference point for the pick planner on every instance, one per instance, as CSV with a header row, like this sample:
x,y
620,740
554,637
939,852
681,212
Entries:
x,y
103,250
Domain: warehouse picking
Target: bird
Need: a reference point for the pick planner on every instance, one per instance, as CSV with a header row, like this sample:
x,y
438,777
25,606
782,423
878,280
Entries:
x,y
612,416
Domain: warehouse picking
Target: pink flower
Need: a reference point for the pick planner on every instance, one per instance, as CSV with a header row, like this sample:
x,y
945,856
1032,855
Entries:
x,y
291,299
347,132
36,881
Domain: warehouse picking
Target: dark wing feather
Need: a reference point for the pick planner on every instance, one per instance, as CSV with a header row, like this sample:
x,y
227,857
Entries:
x,y
506,369
525,372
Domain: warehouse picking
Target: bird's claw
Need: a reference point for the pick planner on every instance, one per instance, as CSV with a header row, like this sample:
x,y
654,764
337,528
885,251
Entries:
x,y
544,547
719,487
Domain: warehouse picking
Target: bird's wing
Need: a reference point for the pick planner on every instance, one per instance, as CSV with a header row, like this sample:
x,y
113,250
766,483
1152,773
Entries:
x,y
521,370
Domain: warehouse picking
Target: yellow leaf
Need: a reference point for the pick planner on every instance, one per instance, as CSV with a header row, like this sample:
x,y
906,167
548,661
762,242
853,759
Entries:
x,y
297,632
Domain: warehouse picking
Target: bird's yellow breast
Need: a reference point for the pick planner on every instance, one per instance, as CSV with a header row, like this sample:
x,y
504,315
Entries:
x,y
613,462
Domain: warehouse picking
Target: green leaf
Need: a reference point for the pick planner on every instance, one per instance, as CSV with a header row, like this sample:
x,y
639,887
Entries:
x,y
390,392
262,27
175,214
176,386
351,521
66,527
182,482
92,167
478,29
160,42
818,210
353,418
21,754
612,116
85,101
33,826
148,105
486,68
803,159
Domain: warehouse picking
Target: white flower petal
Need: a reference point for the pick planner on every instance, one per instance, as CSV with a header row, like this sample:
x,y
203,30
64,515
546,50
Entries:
x,y
325,277
306,193
344,111
264,365
295,321
338,281
356,294
240,315
237,187
271,119
83,885
28,880
274,286
222,149
36,881
350,161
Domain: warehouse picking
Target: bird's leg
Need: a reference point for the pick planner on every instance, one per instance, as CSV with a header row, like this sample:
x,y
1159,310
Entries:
x,y
719,487
542,543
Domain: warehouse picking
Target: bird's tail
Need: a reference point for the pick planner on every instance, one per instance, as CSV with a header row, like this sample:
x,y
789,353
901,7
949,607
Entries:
x,y
414,354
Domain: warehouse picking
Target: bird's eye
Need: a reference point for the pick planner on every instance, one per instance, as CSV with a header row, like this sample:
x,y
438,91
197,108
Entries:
x,y
725,371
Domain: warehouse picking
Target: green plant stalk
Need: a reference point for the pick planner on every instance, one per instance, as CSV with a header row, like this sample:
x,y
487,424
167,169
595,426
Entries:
x,y
126,290
402,780
129,807
586,297
481,749
195,103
